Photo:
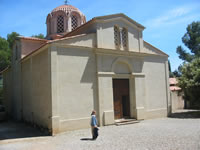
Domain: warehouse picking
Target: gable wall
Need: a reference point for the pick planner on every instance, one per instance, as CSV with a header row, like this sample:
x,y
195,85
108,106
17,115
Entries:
x,y
147,48
105,35
28,46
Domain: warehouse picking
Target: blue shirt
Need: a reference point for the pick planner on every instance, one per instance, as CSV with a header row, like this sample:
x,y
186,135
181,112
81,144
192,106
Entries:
x,y
93,120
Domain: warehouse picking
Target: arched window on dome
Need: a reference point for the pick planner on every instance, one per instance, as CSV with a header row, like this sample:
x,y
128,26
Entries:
x,y
60,24
49,27
124,34
117,38
74,22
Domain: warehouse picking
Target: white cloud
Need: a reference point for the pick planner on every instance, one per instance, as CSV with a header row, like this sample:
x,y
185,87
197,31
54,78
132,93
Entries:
x,y
174,16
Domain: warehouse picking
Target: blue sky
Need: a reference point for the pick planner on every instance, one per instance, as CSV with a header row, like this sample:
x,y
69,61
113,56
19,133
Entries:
x,y
165,21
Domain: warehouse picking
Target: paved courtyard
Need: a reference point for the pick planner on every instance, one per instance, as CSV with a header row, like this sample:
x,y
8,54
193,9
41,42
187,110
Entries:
x,y
176,133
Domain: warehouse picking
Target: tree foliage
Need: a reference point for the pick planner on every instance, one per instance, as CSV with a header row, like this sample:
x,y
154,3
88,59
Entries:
x,y
6,47
191,40
189,71
5,54
190,82
11,39
40,36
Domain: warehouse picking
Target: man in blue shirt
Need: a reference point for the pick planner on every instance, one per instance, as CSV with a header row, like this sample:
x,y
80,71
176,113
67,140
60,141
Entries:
x,y
93,124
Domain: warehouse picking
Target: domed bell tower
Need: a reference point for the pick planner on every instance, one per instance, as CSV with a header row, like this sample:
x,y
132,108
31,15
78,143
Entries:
x,y
63,19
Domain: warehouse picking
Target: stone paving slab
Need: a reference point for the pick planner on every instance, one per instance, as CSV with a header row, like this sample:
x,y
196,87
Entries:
x,y
155,134
16,131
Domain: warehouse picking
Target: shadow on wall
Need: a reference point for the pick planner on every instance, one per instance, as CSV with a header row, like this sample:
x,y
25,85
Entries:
x,y
186,114
16,130
88,73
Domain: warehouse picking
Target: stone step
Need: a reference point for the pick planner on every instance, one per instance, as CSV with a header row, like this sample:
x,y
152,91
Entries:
x,y
126,121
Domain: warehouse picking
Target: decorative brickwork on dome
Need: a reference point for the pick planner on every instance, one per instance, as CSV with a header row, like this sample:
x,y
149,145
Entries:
x,y
66,8
63,19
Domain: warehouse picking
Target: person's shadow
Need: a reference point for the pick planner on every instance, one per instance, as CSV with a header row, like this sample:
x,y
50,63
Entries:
x,y
87,139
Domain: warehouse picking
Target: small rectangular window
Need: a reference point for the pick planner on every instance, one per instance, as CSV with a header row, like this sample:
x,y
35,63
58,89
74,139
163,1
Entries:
x,y
117,38
124,35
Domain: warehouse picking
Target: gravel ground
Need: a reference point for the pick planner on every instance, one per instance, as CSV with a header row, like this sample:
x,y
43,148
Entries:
x,y
155,134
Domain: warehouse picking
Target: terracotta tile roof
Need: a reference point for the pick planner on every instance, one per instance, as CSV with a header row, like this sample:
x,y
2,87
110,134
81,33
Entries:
x,y
66,9
173,81
173,84
32,38
175,88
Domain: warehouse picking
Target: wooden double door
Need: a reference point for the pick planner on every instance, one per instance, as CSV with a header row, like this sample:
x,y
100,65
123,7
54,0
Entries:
x,y
121,98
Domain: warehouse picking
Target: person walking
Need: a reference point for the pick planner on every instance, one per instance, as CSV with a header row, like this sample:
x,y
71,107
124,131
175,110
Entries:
x,y
94,127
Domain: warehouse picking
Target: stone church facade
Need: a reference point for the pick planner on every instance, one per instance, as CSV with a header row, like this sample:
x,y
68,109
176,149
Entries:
x,y
103,64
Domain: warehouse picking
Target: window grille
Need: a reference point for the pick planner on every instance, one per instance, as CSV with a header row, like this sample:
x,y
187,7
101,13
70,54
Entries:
x,y
117,37
74,22
124,35
60,24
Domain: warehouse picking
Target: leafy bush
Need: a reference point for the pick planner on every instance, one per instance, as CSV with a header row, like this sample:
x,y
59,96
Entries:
x,y
189,71
190,82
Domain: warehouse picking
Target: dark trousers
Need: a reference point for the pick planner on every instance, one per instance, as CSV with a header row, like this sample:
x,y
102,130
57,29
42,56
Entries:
x,y
95,133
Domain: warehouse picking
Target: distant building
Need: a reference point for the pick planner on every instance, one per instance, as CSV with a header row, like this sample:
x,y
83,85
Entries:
x,y
176,95
103,64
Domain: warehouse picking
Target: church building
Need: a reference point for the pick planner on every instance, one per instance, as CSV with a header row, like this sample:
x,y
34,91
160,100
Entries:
x,y
103,64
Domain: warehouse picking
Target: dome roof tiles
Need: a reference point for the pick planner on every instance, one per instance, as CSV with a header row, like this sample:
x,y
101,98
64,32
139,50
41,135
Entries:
x,y
66,8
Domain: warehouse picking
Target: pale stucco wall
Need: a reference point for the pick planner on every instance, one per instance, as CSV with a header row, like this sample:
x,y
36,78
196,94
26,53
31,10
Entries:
x,y
149,49
7,90
156,88
36,96
107,62
120,67
105,35
177,100
16,105
75,81
147,79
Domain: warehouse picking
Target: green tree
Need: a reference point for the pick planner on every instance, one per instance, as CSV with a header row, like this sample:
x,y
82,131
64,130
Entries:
x,y
191,40
4,54
40,36
11,39
190,82
189,71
